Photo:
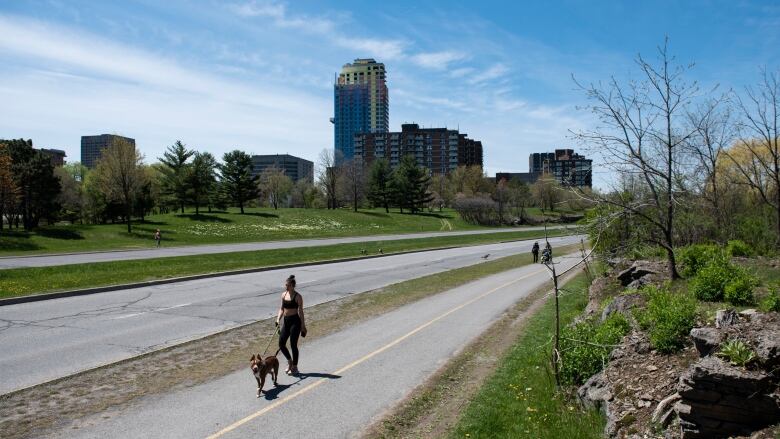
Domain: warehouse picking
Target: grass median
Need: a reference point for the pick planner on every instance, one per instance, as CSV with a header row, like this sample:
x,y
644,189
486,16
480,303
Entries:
x,y
27,281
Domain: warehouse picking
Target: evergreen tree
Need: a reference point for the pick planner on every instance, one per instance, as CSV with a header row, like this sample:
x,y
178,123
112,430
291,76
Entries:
x,y
380,187
410,185
34,179
201,178
176,171
237,180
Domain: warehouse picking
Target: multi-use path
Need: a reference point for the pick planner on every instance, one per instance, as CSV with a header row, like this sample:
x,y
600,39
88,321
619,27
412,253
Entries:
x,y
9,262
88,331
348,378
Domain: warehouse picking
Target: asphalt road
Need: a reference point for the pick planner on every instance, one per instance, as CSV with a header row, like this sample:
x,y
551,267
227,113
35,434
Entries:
x,y
165,252
348,379
88,331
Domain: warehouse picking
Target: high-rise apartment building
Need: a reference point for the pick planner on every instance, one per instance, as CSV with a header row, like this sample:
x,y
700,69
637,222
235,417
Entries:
x,y
439,149
92,146
567,167
361,104
294,167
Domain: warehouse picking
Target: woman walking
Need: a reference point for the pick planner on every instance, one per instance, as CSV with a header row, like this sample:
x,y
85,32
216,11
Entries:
x,y
293,324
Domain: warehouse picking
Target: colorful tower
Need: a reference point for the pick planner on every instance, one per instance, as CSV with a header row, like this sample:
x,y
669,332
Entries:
x,y
360,104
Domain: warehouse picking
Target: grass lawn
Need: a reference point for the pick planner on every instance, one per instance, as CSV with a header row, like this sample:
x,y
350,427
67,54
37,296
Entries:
x,y
257,224
25,281
520,400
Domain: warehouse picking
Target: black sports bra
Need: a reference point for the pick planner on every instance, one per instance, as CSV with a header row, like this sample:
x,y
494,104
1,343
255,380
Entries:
x,y
290,304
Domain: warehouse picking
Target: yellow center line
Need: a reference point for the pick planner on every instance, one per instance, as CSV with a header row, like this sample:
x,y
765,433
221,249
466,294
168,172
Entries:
x,y
316,384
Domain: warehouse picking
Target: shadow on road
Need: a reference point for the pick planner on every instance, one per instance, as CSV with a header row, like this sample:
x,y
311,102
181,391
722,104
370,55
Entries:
x,y
274,392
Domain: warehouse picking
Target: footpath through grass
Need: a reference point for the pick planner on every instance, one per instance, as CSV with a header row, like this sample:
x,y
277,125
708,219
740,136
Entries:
x,y
520,400
27,281
256,225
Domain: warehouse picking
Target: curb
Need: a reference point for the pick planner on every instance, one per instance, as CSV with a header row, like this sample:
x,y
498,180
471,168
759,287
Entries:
x,y
95,290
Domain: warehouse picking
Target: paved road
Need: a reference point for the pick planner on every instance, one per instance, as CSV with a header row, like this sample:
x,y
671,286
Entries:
x,y
348,379
124,255
88,331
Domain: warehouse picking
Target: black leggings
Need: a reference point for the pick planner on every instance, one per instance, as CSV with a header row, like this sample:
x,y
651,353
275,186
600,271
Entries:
x,y
291,328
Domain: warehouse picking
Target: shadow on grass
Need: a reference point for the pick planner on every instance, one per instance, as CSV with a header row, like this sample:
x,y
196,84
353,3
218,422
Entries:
x,y
431,215
375,214
206,218
260,214
55,233
17,241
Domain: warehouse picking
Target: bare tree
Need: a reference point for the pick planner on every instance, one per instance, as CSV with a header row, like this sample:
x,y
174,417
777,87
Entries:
x,y
642,130
760,138
120,175
713,131
353,182
328,176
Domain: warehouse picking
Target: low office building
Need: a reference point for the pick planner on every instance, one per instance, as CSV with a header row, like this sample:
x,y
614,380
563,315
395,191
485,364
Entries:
x,y
567,167
57,156
440,150
294,167
93,146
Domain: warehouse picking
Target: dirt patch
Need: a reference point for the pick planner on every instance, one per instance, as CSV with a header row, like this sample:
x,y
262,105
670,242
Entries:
x,y
434,407
56,404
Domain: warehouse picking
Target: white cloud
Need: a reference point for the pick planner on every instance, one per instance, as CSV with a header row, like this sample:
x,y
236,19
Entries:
x,y
437,60
76,83
493,72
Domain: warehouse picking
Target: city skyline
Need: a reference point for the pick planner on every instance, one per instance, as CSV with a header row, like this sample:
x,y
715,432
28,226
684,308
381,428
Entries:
x,y
247,74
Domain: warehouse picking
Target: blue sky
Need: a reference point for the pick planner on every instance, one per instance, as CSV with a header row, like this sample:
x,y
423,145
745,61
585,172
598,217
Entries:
x,y
257,75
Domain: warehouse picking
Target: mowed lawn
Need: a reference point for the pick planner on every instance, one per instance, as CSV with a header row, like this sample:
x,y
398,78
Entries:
x,y
256,224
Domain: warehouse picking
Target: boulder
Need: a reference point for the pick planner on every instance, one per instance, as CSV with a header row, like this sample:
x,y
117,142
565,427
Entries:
x,y
595,393
706,340
622,304
638,270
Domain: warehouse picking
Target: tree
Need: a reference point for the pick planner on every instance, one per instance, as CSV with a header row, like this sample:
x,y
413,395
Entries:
x,y
353,182
546,192
237,180
410,185
34,179
760,139
120,176
304,193
380,177
70,198
519,198
643,131
9,194
201,178
328,177
275,185
176,171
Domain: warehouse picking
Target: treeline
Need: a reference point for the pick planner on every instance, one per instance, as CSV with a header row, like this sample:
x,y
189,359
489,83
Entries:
x,y
688,165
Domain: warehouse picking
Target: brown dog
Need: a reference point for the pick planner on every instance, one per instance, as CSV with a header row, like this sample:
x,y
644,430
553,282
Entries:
x,y
261,367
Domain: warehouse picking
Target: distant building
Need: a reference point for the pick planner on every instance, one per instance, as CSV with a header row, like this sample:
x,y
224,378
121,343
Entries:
x,y
441,150
294,167
361,105
57,156
567,167
92,146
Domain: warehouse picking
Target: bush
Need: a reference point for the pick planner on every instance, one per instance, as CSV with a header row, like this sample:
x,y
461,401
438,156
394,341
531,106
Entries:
x,y
695,257
739,248
772,301
668,318
585,347
477,210
710,282
739,290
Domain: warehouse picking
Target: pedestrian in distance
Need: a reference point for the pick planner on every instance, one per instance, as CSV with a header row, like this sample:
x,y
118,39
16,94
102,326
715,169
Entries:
x,y
157,237
293,324
535,252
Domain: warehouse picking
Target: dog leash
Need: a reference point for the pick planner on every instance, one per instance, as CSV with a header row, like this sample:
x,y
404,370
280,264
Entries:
x,y
270,339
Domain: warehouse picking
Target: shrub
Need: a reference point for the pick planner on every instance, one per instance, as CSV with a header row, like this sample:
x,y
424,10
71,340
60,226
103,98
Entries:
x,y
585,347
477,210
739,290
737,352
668,318
739,248
695,257
710,282
771,302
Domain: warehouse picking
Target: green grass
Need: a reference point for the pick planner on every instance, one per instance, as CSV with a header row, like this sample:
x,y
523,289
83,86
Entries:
x,y
521,400
25,281
257,224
